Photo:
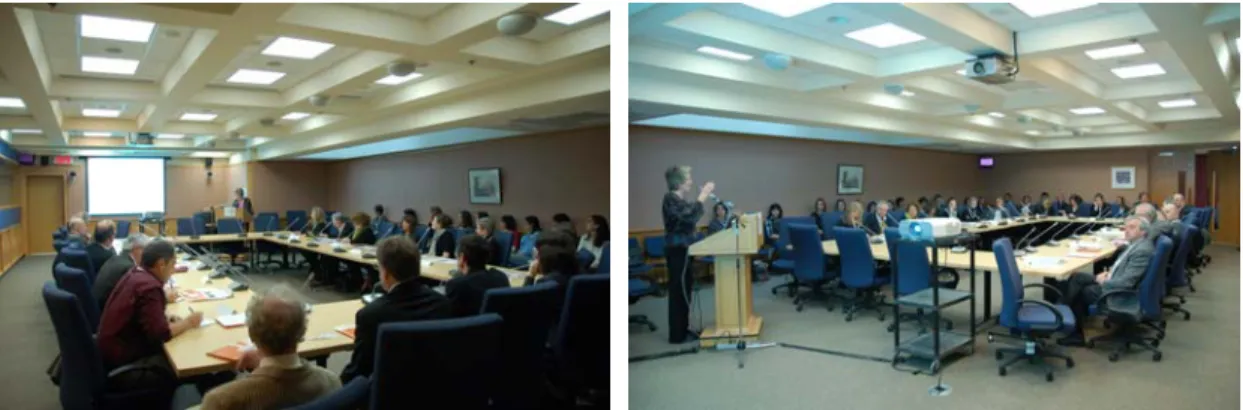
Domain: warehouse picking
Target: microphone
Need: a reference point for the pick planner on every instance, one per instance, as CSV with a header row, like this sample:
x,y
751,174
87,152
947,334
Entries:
x,y
1083,229
268,230
194,234
291,225
1028,248
1053,238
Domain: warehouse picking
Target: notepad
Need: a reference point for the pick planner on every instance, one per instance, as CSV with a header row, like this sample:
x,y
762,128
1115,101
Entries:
x,y
231,352
347,330
203,294
1075,254
231,321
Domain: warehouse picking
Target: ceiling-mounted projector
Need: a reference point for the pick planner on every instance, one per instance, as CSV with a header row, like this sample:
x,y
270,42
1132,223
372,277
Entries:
x,y
319,100
997,69
516,24
401,68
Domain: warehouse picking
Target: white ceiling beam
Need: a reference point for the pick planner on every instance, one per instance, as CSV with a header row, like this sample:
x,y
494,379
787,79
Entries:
x,y
951,89
1222,17
1044,116
1077,37
644,19
1180,26
939,60
1059,75
1031,101
1185,114
357,70
198,15
575,43
710,67
568,89
1093,121
1150,89
836,61
206,54
1165,138
25,65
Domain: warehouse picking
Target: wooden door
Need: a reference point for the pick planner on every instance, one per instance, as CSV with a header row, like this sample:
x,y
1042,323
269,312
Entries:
x,y
45,208
1223,178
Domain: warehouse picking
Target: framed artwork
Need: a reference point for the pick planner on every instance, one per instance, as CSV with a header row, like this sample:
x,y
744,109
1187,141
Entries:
x,y
1123,178
485,185
849,179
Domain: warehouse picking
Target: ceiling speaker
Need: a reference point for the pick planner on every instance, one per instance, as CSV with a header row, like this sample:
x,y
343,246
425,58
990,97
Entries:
x,y
235,134
971,108
778,62
319,100
401,68
515,24
267,122
894,89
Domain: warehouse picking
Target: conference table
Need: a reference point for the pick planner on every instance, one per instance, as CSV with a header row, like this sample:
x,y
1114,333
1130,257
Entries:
x,y
1051,263
188,352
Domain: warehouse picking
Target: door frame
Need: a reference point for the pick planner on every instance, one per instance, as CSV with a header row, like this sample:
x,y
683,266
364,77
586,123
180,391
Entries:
x,y
23,184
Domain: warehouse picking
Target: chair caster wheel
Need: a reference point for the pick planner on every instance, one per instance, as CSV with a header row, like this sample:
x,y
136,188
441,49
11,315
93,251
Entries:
x,y
1156,357
998,355
990,338
774,291
1113,357
889,328
949,326
798,308
848,318
1001,371
1070,364
1156,343
1048,377
881,318
1187,316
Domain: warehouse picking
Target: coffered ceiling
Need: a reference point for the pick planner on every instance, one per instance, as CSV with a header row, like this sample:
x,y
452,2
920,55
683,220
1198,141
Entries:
x,y
909,89
249,72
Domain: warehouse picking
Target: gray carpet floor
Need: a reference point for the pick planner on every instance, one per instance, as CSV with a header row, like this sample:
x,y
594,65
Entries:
x,y
28,343
1199,370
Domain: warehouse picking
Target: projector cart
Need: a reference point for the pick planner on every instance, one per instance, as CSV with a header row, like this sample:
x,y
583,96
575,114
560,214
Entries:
x,y
928,350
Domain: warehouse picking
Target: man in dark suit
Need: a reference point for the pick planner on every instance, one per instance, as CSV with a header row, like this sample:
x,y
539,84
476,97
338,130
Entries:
x,y
116,267
466,291
406,299
877,222
971,213
101,249
1126,273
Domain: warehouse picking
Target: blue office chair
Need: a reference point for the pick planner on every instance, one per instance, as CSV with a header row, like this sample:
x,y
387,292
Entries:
x,y
122,229
603,266
580,333
654,248
431,358
1177,274
267,222
1084,211
505,244
1012,210
858,272
909,261
585,258
783,262
296,219
58,235
637,263
59,244
1129,308
640,287
810,266
351,396
1031,320
75,281
76,257
231,226
528,314
827,221
83,380
185,227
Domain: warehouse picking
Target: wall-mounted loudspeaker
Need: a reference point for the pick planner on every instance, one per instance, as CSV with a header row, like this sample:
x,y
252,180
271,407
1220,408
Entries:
x,y
44,160
207,162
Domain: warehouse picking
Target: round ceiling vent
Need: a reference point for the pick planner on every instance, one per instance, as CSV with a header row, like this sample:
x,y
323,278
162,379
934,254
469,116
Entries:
x,y
274,64
172,33
515,24
113,50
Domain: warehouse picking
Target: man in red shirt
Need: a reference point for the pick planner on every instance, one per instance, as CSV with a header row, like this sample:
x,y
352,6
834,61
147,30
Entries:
x,y
133,327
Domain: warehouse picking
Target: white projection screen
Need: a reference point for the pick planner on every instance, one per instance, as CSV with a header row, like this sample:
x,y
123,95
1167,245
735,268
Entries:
x,y
124,186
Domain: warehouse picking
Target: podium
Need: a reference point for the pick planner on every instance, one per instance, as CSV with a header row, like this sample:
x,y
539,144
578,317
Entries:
x,y
734,249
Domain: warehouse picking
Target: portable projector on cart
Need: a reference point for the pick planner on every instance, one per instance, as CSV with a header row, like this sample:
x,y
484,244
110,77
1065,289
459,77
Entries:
x,y
930,230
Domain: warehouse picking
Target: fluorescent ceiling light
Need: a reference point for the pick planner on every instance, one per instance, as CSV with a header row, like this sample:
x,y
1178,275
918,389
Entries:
x,y
294,116
724,53
1185,102
190,116
1114,52
296,48
578,12
394,80
1035,9
906,93
96,134
261,77
97,112
209,154
996,114
116,29
1032,132
109,65
1137,71
170,136
787,9
885,36
962,72
10,102
26,131
1087,111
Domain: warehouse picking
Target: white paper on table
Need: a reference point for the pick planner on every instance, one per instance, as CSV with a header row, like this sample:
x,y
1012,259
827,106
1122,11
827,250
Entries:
x,y
294,236
1043,261
232,320
1082,246
1074,254
356,251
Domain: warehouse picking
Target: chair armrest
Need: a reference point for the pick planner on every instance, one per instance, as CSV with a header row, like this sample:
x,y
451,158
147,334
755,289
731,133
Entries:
x,y
138,367
1043,285
1056,313
1114,292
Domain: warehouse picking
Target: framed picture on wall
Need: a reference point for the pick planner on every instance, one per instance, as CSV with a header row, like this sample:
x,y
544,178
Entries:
x,y
1123,178
485,185
849,179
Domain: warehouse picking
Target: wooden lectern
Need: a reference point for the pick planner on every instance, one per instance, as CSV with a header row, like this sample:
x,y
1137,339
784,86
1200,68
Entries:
x,y
734,250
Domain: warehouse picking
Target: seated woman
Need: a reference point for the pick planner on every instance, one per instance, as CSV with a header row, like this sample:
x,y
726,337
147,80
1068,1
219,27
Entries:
x,y
820,207
950,210
971,213
509,224
440,242
363,235
771,233
466,221
839,205
853,217
526,247
1099,207
1122,207
485,229
597,236
408,223
912,211
315,224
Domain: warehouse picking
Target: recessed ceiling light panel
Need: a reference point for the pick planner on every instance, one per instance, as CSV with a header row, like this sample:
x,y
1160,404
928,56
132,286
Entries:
x,y
11,102
1180,103
574,14
295,116
191,116
1115,52
885,36
109,65
1036,9
100,112
1138,71
1087,111
786,9
720,52
109,28
296,48
260,77
395,80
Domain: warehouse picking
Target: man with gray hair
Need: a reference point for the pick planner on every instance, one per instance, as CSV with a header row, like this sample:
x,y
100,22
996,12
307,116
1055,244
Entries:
x,y
1147,211
1168,222
877,223
1128,270
276,321
77,231
116,267
341,227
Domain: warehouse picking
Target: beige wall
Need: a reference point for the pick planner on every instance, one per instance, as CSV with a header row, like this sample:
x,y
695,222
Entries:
x,y
540,175
1063,173
754,171
279,186
188,189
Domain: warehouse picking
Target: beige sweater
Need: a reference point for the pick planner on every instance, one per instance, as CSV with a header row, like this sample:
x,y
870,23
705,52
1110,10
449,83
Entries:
x,y
278,382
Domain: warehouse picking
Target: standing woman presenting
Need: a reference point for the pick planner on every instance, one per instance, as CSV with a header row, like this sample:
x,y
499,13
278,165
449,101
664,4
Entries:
x,y
245,211
680,213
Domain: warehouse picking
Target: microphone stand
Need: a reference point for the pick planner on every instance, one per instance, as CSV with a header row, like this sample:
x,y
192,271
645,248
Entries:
x,y
1021,250
1053,241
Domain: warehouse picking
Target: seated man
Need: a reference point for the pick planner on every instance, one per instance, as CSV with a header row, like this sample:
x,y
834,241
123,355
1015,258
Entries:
x,y
466,291
101,249
276,322
485,227
133,326
1126,273
1168,222
407,299
116,267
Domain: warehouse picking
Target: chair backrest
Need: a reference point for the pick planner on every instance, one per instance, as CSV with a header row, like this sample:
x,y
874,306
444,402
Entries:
x,y
185,227
581,331
75,281
1085,210
783,233
351,396
654,246
77,258
603,266
123,228
1177,274
585,258
505,244
82,376
227,225
913,268
296,219
59,244
528,313
58,235
827,221
892,235
422,359
1011,283
526,244
895,215
1012,210
808,253
858,268
1151,288
420,230
266,222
